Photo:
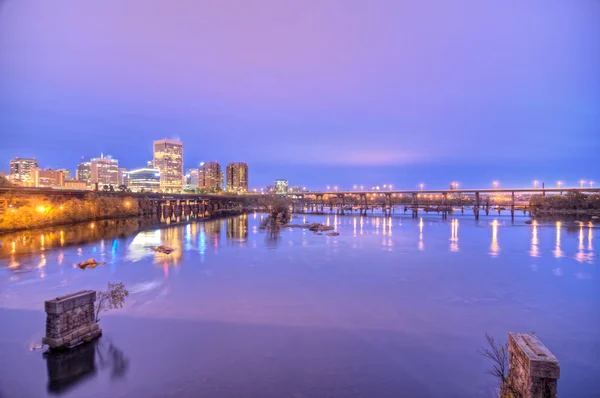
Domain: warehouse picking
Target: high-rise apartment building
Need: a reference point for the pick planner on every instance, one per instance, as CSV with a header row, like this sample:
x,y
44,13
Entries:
x,y
83,173
104,171
237,177
20,169
168,159
210,176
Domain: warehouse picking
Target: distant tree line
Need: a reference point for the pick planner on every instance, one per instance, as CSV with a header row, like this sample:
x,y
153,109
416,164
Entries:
x,y
569,201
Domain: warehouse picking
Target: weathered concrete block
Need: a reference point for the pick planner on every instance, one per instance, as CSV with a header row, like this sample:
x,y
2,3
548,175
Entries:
x,y
69,319
534,370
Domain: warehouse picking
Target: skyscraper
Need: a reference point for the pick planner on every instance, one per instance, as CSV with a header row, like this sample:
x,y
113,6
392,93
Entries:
x,y
237,177
104,171
210,176
20,169
83,173
168,159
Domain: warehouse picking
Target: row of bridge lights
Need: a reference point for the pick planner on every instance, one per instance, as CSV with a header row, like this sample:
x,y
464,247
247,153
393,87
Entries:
x,y
455,185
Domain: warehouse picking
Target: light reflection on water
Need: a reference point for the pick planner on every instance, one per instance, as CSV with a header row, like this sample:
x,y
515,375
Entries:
x,y
494,247
366,285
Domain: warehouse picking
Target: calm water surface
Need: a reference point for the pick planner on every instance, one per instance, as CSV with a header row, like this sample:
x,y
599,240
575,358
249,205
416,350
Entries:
x,y
392,307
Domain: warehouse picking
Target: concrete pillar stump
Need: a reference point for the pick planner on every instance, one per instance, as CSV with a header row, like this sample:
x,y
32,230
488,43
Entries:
x,y
533,370
70,320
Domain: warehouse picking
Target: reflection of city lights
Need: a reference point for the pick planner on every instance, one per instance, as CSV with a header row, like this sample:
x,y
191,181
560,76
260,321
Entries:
x,y
534,252
590,236
13,247
454,236
495,248
421,245
557,252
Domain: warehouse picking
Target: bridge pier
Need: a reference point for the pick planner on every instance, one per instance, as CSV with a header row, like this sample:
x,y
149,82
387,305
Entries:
x,y
512,207
476,210
415,205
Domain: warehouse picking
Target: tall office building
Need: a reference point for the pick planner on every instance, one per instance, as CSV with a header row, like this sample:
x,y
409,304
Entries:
x,y
210,176
20,169
168,159
83,173
237,177
104,171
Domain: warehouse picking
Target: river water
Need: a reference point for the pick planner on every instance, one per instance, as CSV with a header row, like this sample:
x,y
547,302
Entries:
x,y
392,307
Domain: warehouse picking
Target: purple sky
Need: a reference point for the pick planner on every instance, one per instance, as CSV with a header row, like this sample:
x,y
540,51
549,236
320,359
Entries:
x,y
320,92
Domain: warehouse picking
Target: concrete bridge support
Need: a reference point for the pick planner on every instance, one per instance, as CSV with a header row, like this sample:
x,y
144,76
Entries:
x,y
70,320
533,370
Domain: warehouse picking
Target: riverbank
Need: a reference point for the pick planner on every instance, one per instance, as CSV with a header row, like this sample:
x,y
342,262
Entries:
x,y
26,212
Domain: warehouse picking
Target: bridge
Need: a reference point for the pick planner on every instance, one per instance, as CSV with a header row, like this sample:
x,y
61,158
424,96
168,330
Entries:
x,y
438,200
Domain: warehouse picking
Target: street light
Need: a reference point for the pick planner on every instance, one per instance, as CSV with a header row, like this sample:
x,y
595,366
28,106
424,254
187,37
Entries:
x,y
421,186
535,182
390,187
592,184
354,187
495,184
581,182
558,184
328,187
335,188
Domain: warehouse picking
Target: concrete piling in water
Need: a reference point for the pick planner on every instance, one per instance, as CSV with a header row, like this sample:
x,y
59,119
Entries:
x,y
533,370
70,320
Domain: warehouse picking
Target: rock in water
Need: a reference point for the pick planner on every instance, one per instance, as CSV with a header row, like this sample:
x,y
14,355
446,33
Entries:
x,y
333,234
91,263
163,249
528,222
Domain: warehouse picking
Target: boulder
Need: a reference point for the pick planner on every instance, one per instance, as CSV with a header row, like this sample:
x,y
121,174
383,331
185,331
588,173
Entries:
x,y
163,249
91,263
528,222
333,234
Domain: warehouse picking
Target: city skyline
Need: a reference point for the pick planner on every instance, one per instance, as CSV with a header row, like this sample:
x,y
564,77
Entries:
x,y
345,96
